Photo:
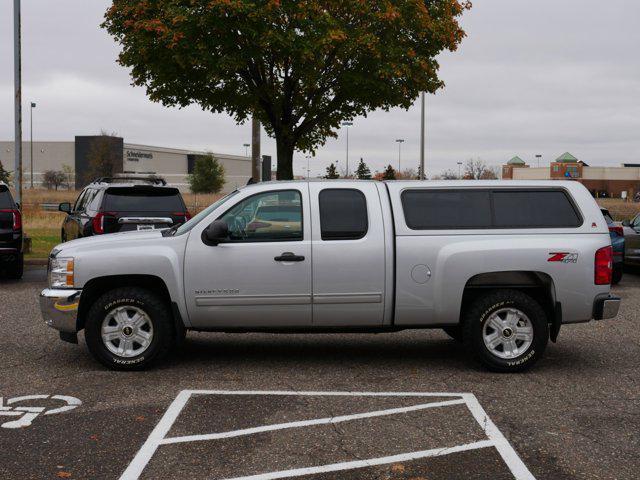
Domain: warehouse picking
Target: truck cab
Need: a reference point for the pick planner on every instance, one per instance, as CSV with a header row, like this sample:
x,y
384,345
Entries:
x,y
499,265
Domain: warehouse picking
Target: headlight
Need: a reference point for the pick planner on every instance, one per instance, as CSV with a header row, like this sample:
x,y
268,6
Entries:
x,y
61,272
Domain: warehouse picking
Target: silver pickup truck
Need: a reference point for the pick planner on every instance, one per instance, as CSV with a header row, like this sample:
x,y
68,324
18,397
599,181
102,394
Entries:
x,y
499,265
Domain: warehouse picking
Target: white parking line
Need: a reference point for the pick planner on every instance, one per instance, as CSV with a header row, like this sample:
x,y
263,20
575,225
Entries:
x,y
158,436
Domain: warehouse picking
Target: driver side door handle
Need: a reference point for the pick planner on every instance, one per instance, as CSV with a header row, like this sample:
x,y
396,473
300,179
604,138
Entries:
x,y
289,257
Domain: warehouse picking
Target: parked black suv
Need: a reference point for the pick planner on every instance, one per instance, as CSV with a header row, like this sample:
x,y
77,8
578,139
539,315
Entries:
x,y
11,258
120,204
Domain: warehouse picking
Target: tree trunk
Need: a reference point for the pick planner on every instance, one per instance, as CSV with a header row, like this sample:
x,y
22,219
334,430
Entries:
x,y
285,157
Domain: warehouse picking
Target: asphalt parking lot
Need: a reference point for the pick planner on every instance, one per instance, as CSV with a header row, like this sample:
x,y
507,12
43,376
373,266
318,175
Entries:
x,y
407,405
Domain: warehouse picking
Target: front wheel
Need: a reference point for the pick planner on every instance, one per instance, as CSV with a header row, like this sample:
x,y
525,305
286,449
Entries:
x,y
129,329
506,330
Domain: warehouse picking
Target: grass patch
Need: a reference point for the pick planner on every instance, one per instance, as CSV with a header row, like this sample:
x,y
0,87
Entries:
x,y
42,241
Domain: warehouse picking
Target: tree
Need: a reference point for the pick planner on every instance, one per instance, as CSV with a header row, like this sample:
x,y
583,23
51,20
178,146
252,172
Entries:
x,y
363,172
300,67
332,172
478,170
101,158
68,171
207,176
53,179
5,176
447,175
407,174
389,173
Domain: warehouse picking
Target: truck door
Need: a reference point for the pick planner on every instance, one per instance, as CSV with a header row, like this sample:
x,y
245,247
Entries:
x,y
348,252
261,276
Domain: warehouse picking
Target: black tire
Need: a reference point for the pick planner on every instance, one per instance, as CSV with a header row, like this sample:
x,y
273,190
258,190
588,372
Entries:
x,y
158,312
454,332
617,274
16,271
480,311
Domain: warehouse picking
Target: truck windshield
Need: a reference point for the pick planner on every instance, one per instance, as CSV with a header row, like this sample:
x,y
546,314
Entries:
x,y
186,227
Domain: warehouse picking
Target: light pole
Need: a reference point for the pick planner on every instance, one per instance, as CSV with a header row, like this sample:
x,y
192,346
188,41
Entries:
x,y
400,142
538,157
459,170
33,105
347,124
246,149
17,72
308,170
422,135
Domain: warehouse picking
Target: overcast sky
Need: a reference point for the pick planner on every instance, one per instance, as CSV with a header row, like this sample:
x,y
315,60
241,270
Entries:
x,y
543,76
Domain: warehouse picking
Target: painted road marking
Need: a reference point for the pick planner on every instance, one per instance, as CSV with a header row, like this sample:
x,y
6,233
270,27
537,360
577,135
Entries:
x,y
28,414
495,438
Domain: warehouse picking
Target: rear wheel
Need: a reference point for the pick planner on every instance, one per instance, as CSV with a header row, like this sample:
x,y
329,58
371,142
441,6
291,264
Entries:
x,y
17,269
506,330
129,329
617,273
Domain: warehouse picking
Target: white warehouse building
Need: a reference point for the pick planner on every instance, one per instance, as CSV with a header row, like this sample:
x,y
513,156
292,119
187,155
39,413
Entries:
x,y
172,164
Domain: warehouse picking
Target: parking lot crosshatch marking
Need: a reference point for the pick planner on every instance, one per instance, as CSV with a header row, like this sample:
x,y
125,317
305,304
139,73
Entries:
x,y
495,438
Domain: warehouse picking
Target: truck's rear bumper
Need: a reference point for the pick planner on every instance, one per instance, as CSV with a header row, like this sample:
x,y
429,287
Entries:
x,y
606,307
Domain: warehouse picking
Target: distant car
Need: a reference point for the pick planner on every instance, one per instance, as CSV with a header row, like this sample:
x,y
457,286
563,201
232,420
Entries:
x,y
121,204
632,241
11,257
616,232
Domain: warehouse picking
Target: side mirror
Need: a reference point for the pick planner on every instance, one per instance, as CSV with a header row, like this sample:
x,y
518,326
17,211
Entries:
x,y
626,223
215,233
18,205
65,207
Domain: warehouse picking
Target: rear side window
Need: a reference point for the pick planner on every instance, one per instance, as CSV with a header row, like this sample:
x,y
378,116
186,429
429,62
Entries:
x,y
6,202
488,209
440,209
152,199
343,214
534,209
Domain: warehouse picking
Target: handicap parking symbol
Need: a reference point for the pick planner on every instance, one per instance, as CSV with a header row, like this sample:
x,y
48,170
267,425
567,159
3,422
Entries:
x,y
19,407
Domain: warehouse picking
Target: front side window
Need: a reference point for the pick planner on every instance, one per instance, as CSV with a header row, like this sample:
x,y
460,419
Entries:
x,y
343,214
266,217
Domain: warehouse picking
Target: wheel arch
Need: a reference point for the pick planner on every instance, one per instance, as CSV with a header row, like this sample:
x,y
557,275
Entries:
x,y
96,287
538,285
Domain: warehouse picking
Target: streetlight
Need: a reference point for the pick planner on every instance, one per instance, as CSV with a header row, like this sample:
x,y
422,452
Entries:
x,y
347,124
308,170
246,147
400,142
538,157
459,170
33,105
422,125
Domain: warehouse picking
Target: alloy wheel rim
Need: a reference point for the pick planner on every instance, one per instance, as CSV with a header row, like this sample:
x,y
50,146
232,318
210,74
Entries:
x,y
507,333
127,331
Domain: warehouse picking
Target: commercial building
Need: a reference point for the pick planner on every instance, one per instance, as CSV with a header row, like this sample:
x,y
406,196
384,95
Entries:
x,y
616,182
75,158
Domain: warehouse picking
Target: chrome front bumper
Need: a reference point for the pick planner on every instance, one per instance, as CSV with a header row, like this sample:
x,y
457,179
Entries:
x,y
606,307
60,308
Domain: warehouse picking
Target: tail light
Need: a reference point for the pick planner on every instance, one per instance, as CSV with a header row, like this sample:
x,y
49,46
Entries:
x,y
603,266
617,230
98,222
17,218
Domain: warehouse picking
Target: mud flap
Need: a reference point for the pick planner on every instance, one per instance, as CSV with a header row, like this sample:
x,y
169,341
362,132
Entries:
x,y
556,323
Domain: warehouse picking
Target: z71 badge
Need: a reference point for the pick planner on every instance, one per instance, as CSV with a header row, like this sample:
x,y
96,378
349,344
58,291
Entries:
x,y
563,257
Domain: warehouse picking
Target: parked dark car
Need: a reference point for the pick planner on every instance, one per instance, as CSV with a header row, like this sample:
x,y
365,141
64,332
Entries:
x,y
616,233
632,241
121,204
11,257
